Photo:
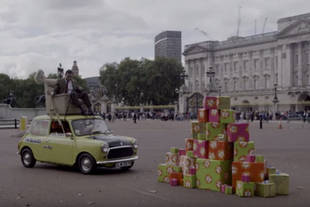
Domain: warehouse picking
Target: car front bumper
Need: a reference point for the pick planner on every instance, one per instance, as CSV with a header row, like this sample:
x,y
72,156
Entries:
x,y
117,160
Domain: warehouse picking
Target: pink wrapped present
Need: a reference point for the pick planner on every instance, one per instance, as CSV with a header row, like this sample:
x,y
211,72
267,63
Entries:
x,y
250,158
192,171
223,186
201,148
237,132
173,182
245,178
210,102
214,115
182,152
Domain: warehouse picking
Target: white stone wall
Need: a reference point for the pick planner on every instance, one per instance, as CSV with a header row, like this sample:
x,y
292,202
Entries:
x,y
6,112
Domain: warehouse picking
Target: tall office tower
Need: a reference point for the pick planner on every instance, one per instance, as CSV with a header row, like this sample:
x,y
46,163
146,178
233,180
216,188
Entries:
x,y
169,44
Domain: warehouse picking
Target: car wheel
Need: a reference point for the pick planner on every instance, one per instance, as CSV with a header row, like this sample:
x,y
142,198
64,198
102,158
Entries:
x,y
86,163
128,167
27,158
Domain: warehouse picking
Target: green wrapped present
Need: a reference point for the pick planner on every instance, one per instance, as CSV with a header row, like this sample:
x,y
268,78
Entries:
x,y
163,174
243,149
265,189
201,136
190,154
271,170
198,128
227,116
215,131
174,150
211,174
281,181
259,158
245,189
177,169
228,189
223,102
189,181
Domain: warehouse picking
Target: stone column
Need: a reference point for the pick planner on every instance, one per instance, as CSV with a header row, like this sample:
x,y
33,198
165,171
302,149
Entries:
x,y
299,64
287,66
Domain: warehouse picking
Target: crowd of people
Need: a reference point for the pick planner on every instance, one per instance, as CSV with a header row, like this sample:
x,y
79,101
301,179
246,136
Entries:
x,y
240,116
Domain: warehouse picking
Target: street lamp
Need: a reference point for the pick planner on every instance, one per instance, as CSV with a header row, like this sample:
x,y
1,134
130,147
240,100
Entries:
x,y
275,99
210,74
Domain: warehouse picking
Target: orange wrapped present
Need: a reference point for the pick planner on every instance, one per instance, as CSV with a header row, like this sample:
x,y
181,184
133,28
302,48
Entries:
x,y
220,150
254,169
203,115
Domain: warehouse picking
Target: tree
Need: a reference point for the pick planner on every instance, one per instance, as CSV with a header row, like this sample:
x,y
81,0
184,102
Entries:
x,y
134,82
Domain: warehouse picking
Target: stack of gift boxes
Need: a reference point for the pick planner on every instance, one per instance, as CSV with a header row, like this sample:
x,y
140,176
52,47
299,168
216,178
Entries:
x,y
220,157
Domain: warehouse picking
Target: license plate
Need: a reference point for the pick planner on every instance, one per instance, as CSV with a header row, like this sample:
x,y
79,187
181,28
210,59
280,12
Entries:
x,y
123,164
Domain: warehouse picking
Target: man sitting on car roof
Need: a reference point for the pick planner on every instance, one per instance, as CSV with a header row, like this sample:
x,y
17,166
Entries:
x,y
78,95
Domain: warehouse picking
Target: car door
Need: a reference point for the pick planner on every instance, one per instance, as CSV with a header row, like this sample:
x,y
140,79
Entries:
x,y
37,138
60,146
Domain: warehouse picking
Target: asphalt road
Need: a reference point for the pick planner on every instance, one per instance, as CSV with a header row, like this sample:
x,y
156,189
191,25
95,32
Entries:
x,y
288,149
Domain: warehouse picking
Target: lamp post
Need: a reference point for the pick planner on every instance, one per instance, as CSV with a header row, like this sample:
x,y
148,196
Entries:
x,y
210,74
275,100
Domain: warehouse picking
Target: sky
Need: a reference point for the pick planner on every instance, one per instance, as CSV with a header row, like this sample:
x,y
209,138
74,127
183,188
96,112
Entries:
x,y
39,34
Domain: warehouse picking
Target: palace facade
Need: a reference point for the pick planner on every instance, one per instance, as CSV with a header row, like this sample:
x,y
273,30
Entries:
x,y
252,69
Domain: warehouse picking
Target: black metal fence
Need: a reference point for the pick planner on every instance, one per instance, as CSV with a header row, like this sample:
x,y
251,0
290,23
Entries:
x,y
9,123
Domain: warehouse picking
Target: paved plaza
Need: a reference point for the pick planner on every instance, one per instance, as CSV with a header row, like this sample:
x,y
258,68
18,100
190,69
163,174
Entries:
x,y
287,149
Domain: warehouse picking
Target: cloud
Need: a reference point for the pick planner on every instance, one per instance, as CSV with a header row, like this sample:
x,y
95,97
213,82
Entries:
x,y
40,34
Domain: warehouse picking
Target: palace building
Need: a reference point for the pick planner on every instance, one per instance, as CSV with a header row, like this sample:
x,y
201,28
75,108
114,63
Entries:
x,y
265,72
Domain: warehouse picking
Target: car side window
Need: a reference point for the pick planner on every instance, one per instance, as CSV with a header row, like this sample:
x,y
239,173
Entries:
x,y
39,127
56,128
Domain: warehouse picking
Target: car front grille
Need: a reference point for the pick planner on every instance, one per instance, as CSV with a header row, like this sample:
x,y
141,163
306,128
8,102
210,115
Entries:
x,y
120,152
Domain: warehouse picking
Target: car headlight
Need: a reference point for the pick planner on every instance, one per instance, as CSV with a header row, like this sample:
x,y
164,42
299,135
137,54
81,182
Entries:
x,y
105,148
134,144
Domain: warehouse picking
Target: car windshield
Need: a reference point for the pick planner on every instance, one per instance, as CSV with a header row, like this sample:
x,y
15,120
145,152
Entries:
x,y
84,127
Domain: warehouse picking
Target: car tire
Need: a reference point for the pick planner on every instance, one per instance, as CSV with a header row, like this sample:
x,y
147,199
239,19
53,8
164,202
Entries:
x,y
128,168
27,158
86,163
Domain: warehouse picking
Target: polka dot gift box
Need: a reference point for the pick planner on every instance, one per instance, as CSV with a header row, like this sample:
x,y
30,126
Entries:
x,y
211,174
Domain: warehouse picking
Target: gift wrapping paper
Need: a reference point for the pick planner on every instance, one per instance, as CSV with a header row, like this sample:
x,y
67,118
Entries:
x,y
227,116
211,174
178,176
228,189
203,115
265,189
214,115
189,144
254,169
281,181
195,129
243,149
210,102
223,102
237,132
189,181
245,189
201,148
220,150
215,131
174,150
187,163
172,159
163,175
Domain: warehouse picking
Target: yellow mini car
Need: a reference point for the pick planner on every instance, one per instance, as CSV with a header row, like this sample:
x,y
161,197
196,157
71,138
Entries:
x,y
75,140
